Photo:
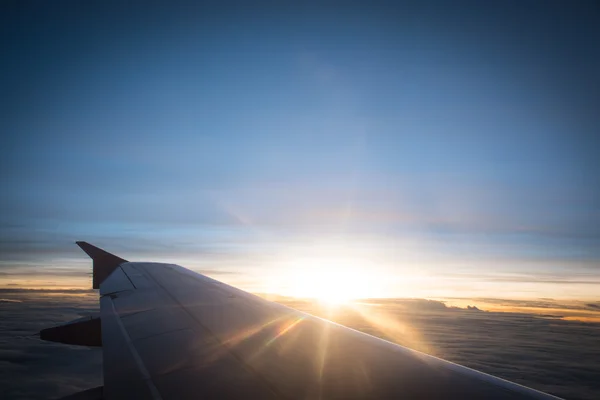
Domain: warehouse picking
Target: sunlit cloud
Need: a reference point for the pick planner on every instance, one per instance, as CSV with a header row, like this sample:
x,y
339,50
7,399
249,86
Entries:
x,y
390,326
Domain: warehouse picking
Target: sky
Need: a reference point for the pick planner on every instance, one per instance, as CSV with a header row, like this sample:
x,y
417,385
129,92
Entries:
x,y
384,149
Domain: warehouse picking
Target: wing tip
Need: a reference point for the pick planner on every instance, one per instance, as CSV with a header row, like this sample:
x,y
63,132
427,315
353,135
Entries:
x,y
104,263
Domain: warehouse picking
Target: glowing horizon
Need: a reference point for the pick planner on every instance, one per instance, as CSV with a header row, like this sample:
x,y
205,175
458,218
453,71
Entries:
x,y
340,281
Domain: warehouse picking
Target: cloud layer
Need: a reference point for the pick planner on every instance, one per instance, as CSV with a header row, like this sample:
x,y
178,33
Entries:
x,y
33,369
547,353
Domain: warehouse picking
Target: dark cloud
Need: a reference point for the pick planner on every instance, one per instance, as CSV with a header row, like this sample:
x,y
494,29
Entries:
x,y
573,305
552,316
412,304
134,243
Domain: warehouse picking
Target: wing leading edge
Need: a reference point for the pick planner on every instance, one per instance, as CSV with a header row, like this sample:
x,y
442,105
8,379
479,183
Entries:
x,y
170,333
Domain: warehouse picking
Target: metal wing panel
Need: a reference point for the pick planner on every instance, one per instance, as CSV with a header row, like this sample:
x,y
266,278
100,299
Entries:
x,y
154,322
220,379
117,281
137,278
124,377
152,340
139,300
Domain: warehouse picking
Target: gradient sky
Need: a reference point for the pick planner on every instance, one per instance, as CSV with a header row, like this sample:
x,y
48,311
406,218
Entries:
x,y
426,149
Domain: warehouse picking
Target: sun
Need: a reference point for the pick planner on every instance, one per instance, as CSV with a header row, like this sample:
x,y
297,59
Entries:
x,y
331,283
335,292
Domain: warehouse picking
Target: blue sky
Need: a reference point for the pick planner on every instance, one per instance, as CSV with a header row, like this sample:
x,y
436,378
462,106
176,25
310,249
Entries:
x,y
443,148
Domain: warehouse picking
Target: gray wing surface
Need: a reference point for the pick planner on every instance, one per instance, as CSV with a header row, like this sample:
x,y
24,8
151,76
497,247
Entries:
x,y
170,333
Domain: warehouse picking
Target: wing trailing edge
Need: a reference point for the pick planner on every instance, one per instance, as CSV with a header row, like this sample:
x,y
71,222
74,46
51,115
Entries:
x,y
104,262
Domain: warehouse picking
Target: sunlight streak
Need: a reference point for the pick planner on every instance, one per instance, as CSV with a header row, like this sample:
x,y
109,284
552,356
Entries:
x,y
285,330
322,348
247,333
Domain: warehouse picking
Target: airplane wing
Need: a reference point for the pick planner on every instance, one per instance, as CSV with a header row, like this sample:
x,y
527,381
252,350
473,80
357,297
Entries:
x,y
169,333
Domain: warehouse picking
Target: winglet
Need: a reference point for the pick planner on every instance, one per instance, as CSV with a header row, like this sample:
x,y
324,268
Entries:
x,y
104,262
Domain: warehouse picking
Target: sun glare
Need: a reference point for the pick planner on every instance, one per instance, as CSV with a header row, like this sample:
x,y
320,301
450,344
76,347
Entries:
x,y
332,283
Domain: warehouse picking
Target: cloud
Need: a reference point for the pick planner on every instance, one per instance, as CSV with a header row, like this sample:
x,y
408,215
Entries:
x,y
25,272
34,369
411,304
43,291
539,303
549,308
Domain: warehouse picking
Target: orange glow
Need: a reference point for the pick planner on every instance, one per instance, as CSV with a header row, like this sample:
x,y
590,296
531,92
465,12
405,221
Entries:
x,y
46,282
285,330
391,327
245,334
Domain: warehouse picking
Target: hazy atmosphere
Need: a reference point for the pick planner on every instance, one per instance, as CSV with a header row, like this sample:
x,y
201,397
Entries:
x,y
397,153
